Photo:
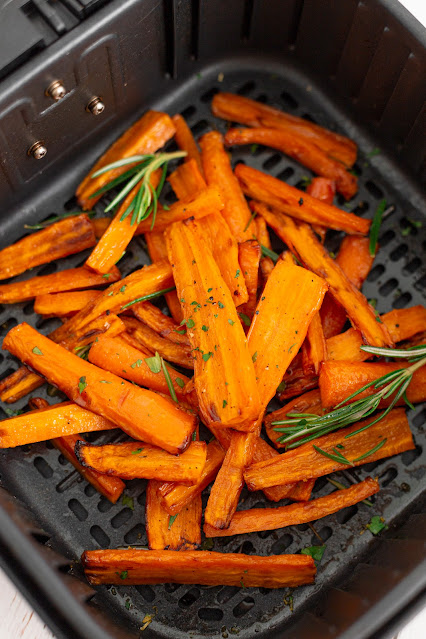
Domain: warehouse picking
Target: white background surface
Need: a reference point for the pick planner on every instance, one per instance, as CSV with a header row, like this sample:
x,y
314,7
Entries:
x,y
19,621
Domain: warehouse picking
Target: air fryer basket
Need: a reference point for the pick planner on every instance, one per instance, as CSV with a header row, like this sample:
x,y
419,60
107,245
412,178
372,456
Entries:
x,y
305,57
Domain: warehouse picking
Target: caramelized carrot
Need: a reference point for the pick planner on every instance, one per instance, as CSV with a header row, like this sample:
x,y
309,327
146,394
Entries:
x,y
261,232
141,413
157,250
183,532
109,326
100,225
218,172
249,254
59,420
266,267
66,237
71,279
302,241
305,462
236,108
225,394
187,179
314,348
145,136
256,519
185,141
126,567
323,189
298,204
338,380
309,402
139,460
162,324
62,304
297,147
295,382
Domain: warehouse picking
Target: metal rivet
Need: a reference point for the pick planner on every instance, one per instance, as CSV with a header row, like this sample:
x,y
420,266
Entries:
x,y
96,106
37,150
56,90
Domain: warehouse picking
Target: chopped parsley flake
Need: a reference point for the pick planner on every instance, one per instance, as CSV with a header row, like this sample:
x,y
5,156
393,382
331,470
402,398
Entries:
x,y
81,384
37,351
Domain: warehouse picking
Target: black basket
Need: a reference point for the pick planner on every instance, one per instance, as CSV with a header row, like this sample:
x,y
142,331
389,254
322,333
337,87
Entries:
x,y
354,66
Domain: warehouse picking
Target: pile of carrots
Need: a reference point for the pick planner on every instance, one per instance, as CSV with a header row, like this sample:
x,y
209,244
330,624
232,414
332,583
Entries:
x,y
244,323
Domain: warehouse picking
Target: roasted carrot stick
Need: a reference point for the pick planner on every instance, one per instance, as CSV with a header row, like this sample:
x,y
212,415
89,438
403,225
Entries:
x,y
162,324
62,304
157,250
141,413
297,147
55,421
147,135
99,327
338,380
174,497
309,402
261,233
323,189
201,567
305,462
71,279
298,204
302,241
139,460
180,532
180,354
218,172
255,519
185,141
100,225
187,179
236,108
314,348
66,237
249,254
224,394
266,266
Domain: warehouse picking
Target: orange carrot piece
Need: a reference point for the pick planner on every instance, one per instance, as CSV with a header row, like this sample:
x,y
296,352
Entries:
x,y
68,280
187,180
314,348
404,323
297,204
224,394
59,420
297,147
174,497
236,108
145,136
141,413
185,141
325,190
162,324
66,237
139,460
305,462
157,250
62,304
100,225
262,233
266,268
126,567
218,172
256,519
164,533
249,254
302,241
109,326
338,380
309,402
180,354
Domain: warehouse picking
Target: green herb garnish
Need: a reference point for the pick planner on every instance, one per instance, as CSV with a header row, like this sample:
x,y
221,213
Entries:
x,y
376,525
154,363
128,501
375,227
316,552
150,296
267,252
81,384
37,351
171,520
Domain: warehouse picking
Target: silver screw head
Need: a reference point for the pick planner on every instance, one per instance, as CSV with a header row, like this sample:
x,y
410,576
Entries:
x,y
95,106
37,150
56,90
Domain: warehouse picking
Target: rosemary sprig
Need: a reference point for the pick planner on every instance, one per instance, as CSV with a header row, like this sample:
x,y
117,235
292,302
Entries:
x,y
145,202
305,427
266,252
375,227
150,296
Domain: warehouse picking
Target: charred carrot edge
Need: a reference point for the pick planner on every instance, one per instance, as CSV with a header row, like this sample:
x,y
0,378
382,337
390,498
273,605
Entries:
x,y
109,487
309,402
109,326
162,324
71,279
218,172
297,147
314,348
66,237
143,415
61,304
266,266
157,250
126,567
187,179
185,141
236,108
297,204
256,519
174,497
249,254
179,354
305,462
64,419
147,135
325,190
262,233
139,460
182,532
304,244
338,380
224,394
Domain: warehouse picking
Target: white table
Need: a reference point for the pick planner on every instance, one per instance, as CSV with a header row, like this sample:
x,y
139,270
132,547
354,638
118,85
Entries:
x,y
19,621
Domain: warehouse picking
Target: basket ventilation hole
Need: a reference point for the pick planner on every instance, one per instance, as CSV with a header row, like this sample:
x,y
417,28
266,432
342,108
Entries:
x,y
104,505
43,467
70,205
319,484
171,587
399,252
226,594
6,326
280,546
289,101
411,455
135,534
147,593
200,127
302,527
100,536
208,95
402,301
388,287
243,607
63,460
90,490
247,548
421,283
78,509
47,325
188,112
413,266
386,238
325,534
272,161
48,269
210,614
248,87
388,476
28,308
40,537
121,518
286,174
264,534
262,98
376,272
189,598
375,190
371,466
420,419
344,515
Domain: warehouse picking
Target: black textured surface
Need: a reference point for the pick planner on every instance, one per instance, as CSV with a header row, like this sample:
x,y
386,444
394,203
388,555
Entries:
x,y
75,517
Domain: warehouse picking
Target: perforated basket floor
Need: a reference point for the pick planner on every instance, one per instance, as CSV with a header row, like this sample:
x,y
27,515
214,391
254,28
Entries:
x,y
73,514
